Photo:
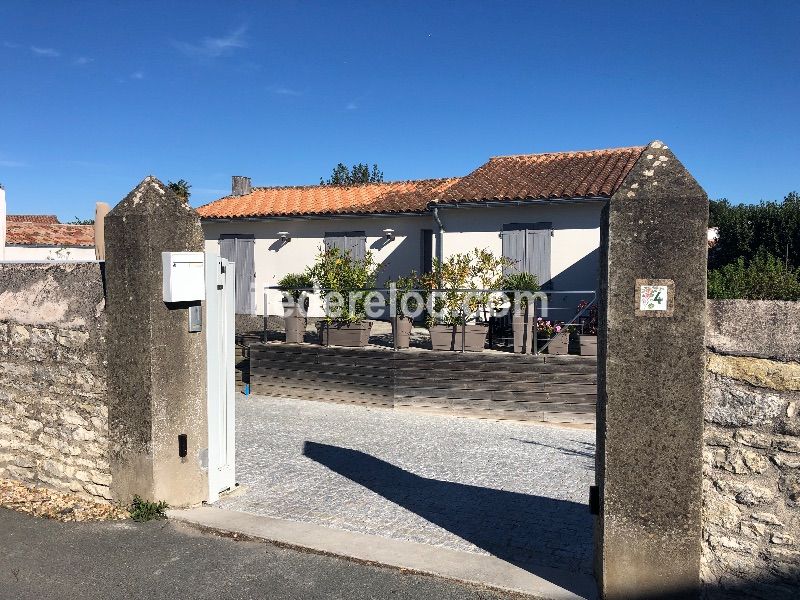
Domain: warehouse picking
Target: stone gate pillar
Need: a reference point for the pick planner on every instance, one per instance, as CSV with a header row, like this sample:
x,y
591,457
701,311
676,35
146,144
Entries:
x,y
650,381
157,368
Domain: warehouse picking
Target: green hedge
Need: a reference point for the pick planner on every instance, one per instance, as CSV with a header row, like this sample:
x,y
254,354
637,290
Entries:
x,y
765,277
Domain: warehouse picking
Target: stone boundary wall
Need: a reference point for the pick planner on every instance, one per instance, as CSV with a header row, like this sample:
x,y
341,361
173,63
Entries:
x,y
53,408
751,453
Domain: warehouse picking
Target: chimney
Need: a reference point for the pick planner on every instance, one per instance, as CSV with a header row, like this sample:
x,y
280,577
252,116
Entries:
x,y
240,186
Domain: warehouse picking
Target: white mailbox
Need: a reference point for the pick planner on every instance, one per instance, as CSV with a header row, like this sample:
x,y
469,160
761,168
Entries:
x,y
184,276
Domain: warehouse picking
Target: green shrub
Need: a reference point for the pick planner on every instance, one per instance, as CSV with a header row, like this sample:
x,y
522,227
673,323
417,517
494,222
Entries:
x,y
746,230
295,282
337,271
763,278
144,510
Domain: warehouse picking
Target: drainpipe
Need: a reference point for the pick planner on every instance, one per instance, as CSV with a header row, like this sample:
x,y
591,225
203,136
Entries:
x,y
439,235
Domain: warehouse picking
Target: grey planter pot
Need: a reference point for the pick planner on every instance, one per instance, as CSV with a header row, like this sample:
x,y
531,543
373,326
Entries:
x,y
588,344
401,332
559,344
295,327
449,337
352,335
522,326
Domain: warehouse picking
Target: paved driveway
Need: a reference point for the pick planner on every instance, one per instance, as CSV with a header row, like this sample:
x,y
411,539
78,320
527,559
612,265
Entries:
x,y
516,491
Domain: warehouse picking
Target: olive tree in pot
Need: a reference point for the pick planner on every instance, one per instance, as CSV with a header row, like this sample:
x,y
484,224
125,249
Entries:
x,y
521,286
462,280
404,303
295,305
342,280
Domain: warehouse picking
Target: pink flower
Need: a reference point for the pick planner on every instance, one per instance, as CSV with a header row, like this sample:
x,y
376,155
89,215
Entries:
x,y
558,328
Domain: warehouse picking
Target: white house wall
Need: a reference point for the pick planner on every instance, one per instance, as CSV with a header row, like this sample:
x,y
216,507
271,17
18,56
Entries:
x,y
273,259
574,245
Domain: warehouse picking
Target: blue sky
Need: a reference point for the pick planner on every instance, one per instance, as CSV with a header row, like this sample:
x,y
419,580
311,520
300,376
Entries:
x,y
96,95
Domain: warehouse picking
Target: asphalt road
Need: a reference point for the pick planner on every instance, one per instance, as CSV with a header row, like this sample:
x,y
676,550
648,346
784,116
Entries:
x,y
44,559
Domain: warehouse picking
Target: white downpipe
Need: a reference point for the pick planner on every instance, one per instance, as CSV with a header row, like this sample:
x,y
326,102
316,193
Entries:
x,y
439,235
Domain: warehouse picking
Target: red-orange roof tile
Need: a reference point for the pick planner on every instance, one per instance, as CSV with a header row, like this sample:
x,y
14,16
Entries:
x,y
581,174
31,219
388,197
49,234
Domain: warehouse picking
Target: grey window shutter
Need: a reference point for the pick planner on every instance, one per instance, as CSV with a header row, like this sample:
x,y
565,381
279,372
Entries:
x,y
336,240
537,254
240,250
227,248
357,245
246,266
513,249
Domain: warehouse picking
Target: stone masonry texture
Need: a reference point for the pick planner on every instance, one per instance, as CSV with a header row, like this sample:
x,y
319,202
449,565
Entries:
x,y
751,453
53,411
650,383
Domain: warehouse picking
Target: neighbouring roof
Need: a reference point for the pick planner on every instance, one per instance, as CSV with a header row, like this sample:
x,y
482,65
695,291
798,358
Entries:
x,y
31,219
368,198
579,174
49,234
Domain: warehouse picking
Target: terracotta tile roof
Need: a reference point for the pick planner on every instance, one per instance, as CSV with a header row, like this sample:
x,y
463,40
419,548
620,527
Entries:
x,y
389,197
31,219
49,234
581,174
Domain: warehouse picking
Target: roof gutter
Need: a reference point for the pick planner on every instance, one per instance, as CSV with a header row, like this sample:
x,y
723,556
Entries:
x,y
520,202
318,217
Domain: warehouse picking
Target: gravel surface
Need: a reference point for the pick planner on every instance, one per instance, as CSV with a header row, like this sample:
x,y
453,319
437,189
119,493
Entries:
x,y
514,490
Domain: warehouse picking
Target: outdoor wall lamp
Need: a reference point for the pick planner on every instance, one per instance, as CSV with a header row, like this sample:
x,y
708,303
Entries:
x,y
389,234
284,237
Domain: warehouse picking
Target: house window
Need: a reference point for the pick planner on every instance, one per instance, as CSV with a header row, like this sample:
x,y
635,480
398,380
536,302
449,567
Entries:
x,y
354,242
528,247
426,251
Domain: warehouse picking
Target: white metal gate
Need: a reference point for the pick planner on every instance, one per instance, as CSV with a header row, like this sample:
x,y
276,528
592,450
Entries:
x,y
220,356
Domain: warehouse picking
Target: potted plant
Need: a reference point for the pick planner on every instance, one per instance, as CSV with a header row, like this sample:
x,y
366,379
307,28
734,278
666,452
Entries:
x,y
401,322
342,280
587,338
554,335
460,300
296,305
522,315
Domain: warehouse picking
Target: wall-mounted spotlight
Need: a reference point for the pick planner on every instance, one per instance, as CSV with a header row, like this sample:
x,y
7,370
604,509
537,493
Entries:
x,y
284,237
388,234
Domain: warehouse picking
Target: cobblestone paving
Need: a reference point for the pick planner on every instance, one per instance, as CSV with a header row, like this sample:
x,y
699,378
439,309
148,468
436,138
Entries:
x,y
516,491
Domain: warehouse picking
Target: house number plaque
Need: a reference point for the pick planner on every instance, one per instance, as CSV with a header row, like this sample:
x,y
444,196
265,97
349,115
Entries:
x,y
654,297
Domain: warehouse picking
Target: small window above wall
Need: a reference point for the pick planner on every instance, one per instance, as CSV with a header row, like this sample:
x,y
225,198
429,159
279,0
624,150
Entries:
x,y
354,242
528,245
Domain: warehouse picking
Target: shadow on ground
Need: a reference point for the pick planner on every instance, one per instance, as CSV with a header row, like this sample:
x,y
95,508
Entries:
x,y
532,532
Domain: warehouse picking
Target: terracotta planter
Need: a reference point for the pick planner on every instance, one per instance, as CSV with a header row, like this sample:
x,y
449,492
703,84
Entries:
x,y
449,337
401,332
588,344
522,326
295,326
352,335
559,343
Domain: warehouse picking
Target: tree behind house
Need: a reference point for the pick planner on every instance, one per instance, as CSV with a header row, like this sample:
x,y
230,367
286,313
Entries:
x,y
359,174
181,189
